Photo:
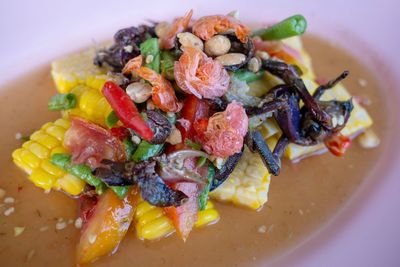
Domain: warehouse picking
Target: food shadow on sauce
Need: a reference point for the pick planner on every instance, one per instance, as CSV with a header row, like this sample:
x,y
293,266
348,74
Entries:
x,y
301,200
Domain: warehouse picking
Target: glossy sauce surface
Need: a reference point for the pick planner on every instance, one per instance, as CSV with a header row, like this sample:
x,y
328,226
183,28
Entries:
x,y
301,200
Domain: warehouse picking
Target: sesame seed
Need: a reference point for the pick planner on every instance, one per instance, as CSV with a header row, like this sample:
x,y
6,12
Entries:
x,y
47,191
2,192
78,223
43,228
18,136
334,121
18,230
70,221
301,212
92,239
341,120
60,219
30,255
262,229
128,48
61,225
149,59
362,82
8,211
9,200
135,139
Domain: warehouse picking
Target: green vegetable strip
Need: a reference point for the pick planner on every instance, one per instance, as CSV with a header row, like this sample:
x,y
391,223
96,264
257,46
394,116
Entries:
x,y
62,102
146,150
82,171
248,76
200,162
151,54
85,173
111,119
292,26
167,64
203,197
130,147
192,144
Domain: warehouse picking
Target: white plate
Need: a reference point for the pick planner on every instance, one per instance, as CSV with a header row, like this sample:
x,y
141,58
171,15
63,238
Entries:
x,y
367,231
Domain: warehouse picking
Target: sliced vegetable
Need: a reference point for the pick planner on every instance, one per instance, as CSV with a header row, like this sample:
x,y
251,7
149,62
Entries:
x,y
145,150
185,216
62,102
192,144
82,171
126,110
248,76
193,110
203,197
200,162
89,143
130,147
111,119
150,51
292,26
167,64
85,173
107,226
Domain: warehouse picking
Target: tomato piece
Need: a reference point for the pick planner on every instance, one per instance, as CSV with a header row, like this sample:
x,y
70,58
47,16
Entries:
x,y
185,216
90,143
193,110
107,226
120,132
126,110
86,206
338,144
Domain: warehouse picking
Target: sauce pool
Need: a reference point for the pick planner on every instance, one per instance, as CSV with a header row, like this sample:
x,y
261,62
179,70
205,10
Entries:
x,y
301,200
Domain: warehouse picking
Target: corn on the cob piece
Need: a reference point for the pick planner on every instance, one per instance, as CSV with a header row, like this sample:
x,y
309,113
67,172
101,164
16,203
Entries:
x,y
91,105
152,223
77,69
247,185
34,158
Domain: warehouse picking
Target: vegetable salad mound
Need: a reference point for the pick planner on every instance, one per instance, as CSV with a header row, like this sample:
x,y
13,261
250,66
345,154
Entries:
x,y
175,113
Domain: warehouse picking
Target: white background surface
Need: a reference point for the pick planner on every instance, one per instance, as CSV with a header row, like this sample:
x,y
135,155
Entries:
x,y
367,232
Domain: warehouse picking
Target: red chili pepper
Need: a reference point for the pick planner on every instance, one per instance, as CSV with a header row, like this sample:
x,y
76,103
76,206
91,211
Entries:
x,y
126,110
338,144
120,132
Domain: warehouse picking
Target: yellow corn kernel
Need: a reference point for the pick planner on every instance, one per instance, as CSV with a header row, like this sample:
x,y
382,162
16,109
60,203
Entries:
x,y
56,131
59,149
35,154
247,185
152,223
207,216
44,139
42,179
70,184
77,69
92,105
37,149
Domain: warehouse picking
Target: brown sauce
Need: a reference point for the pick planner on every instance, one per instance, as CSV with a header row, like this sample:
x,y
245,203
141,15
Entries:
x,y
301,200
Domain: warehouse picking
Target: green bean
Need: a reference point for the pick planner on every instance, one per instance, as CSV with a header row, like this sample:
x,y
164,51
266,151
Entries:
x,y
248,76
62,102
130,147
146,150
80,170
203,197
111,119
150,51
85,173
167,64
292,26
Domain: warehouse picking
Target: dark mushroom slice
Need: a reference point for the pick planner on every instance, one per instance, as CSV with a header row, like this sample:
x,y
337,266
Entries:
x,y
125,47
160,126
153,189
116,173
238,47
222,174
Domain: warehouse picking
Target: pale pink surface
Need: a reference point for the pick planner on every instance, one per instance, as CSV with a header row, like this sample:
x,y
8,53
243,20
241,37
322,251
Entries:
x,y
366,233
